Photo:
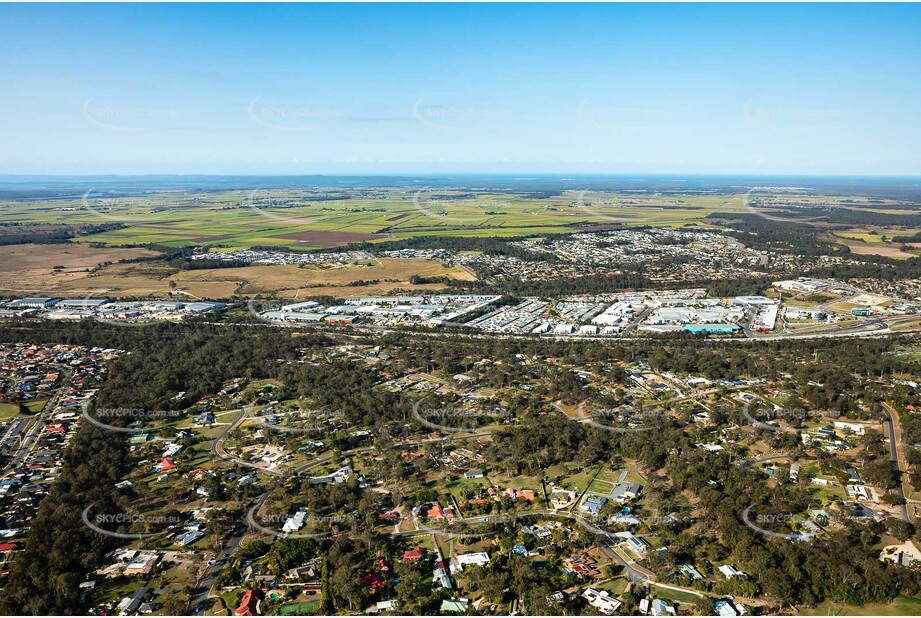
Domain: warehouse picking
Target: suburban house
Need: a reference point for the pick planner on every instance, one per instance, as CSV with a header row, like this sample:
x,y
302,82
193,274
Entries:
x,y
637,544
730,571
623,492
463,560
249,606
593,505
601,600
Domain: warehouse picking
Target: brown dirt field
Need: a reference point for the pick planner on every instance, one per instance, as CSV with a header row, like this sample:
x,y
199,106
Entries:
x,y
320,278
129,280
329,239
133,280
894,252
905,324
30,268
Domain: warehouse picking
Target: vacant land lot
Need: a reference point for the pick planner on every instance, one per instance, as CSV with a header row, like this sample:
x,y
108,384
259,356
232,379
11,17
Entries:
x,y
870,242
40,268
159,279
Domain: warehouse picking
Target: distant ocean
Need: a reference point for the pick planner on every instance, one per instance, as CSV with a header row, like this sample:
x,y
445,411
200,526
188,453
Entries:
x,y
73,187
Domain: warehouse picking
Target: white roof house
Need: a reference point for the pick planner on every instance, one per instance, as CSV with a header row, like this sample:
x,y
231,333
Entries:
x,y
601,600
730,571
295,522
463,560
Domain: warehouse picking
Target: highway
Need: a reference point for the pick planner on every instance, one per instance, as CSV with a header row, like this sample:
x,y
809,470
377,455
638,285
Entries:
x,y
864,328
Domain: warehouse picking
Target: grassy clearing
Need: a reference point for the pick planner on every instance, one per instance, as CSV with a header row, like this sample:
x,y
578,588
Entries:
x,y
40,268
872,243
906,324
36,405
156,279
676,596
601,487
8,411
902,606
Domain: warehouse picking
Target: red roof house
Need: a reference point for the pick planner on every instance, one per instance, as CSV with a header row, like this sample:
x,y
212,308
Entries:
x,y
166,464
249,606
371,580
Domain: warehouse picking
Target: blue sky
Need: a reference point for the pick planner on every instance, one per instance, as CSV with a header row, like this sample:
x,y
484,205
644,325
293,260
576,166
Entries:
x,y
290,89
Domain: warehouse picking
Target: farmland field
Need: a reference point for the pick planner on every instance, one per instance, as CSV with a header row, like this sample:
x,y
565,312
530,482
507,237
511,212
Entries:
x,y
318,218
873,241
298,219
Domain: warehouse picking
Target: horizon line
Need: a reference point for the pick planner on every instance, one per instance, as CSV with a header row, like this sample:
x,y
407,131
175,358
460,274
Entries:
x,y
462,174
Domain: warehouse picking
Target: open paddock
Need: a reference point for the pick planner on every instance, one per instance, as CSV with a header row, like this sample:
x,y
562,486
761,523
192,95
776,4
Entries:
x,y
290,281
41,268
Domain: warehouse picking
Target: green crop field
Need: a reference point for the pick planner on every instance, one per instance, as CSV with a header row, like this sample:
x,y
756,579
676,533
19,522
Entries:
x,y
315,219
235,220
